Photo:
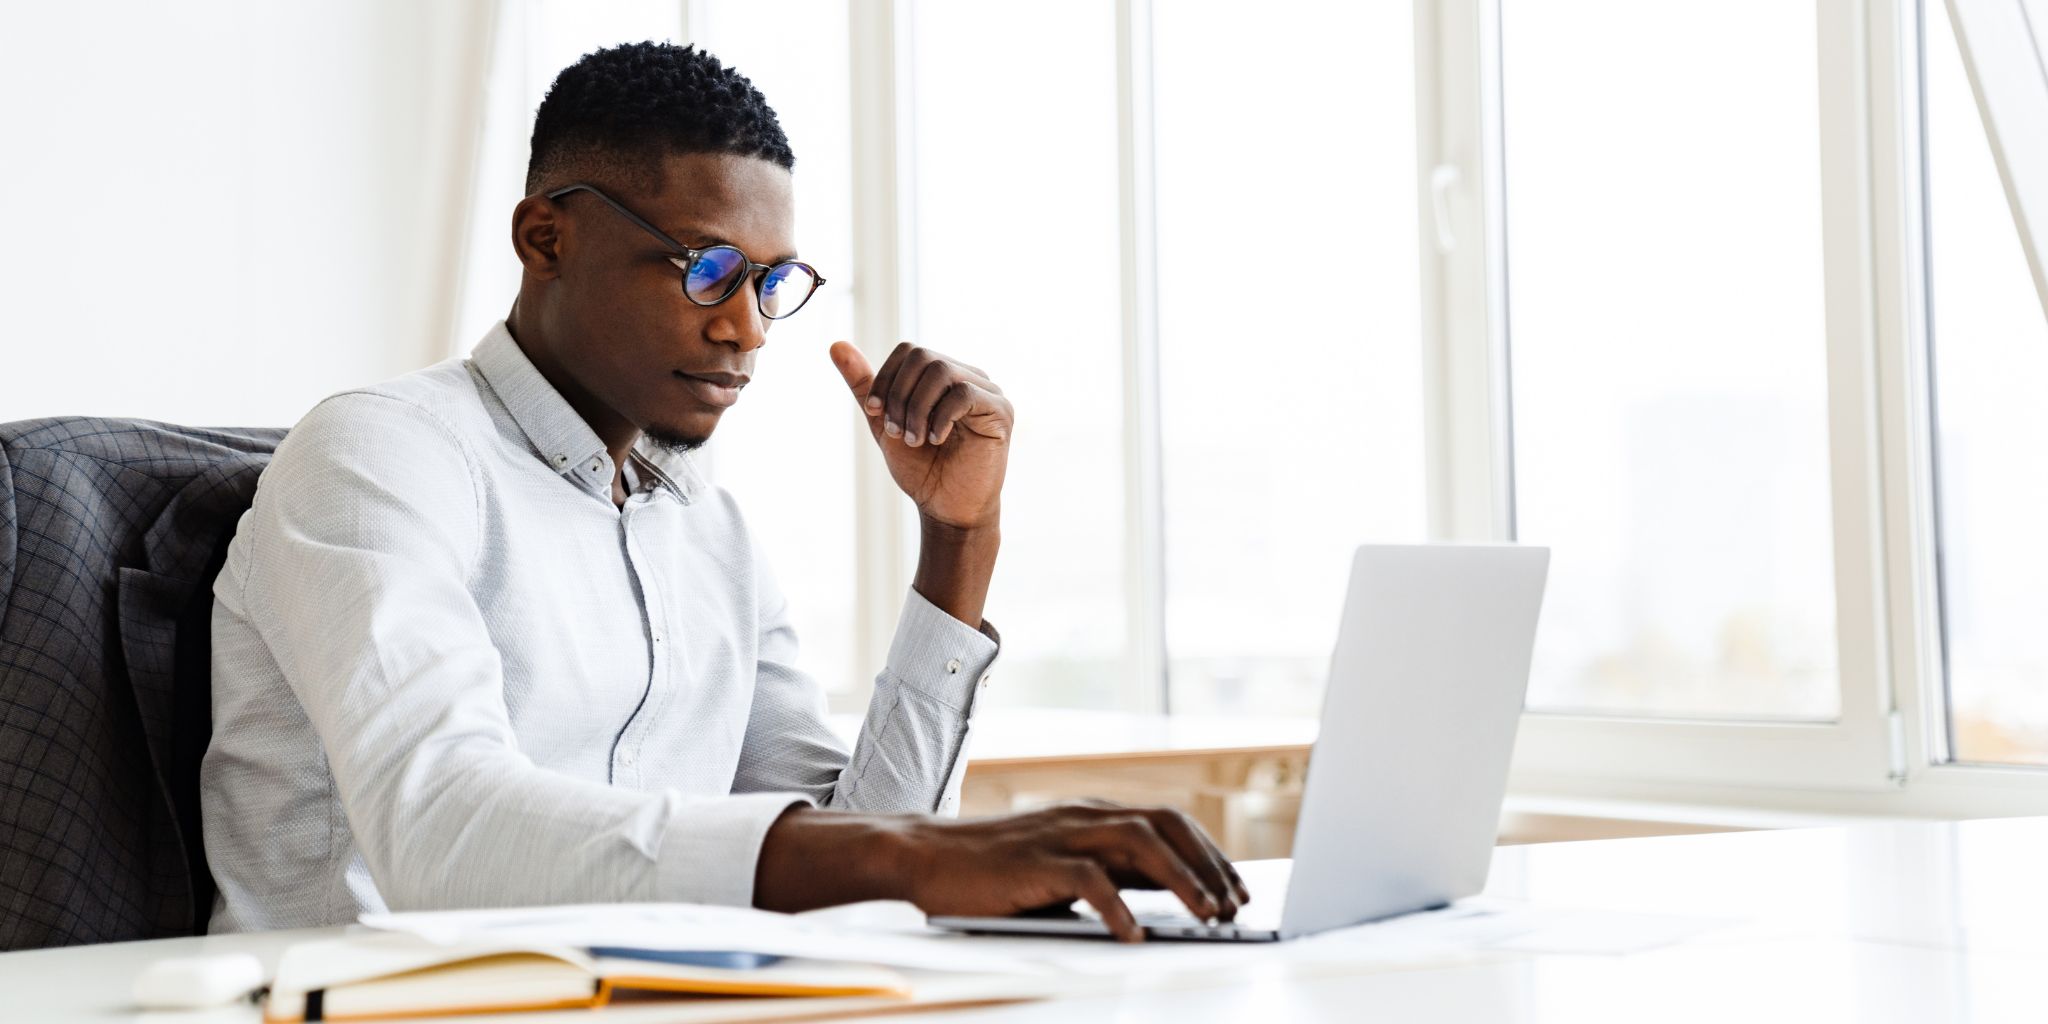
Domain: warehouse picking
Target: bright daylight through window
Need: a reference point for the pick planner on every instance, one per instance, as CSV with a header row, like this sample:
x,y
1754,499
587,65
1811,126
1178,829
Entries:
x,y
1668,355
1290,367
1989,343
1016,271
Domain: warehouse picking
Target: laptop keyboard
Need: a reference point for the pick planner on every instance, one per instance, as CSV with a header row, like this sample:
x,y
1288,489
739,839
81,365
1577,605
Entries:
x,y
1184,926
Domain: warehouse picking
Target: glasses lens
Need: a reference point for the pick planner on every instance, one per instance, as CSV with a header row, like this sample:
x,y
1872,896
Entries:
x,y
785,289
713,274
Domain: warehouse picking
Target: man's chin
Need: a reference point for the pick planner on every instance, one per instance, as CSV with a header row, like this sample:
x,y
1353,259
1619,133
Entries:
x,y
676,441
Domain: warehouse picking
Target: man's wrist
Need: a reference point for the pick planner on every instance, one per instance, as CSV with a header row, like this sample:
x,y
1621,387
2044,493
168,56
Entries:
x,y
873,857
954,565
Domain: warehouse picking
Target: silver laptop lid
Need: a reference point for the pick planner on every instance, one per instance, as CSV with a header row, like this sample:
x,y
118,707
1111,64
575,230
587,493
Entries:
x,y
1405,783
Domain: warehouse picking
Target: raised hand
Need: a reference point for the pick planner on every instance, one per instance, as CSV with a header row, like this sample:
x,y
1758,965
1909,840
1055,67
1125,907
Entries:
x,y
943,427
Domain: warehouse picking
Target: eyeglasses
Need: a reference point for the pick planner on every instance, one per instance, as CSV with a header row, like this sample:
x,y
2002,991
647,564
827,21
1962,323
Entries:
x,y
711,275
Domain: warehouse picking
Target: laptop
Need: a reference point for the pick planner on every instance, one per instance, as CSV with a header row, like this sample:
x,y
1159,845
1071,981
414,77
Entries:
x,y
1402,802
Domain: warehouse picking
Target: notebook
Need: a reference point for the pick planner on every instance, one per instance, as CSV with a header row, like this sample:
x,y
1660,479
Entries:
x,y
382,975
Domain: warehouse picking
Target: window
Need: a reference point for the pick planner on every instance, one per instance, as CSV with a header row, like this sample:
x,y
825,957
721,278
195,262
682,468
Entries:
x,y
787,450
1668,353
1989,342
1015,270
1289,361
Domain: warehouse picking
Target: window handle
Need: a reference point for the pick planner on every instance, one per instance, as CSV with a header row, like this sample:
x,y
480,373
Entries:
x,y
1441,181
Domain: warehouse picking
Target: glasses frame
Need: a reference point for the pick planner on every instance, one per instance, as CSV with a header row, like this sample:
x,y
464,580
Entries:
x,y
684,257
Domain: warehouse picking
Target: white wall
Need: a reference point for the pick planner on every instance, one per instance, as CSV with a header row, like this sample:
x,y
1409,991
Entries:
x,y
219,211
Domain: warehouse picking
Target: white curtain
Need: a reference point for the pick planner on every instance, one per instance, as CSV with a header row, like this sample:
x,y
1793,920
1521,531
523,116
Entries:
x,y
534,41
223,210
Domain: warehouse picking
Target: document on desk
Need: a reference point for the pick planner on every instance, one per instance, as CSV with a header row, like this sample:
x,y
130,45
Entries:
x,y
689,927
895,935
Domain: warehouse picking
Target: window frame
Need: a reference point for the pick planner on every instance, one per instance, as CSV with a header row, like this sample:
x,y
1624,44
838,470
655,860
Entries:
x,y
1471,451
1884,754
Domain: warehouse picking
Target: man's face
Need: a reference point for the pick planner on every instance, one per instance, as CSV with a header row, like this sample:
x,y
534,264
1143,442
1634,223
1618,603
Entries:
x,y
624,333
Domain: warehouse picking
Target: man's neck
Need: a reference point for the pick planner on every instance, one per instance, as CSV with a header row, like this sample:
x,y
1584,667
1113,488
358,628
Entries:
x,y
617,433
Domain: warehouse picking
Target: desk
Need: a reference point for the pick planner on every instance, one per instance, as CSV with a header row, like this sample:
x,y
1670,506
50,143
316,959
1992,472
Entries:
x,y
1911,922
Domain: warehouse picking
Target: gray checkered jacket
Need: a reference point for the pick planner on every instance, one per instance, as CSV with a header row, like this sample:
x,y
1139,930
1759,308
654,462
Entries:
x,y
111,532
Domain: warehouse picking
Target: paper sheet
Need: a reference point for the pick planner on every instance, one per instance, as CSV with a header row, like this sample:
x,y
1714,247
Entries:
x,y
895,935
686,926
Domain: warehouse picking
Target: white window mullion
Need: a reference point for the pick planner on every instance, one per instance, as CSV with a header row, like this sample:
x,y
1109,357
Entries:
x,y
1905,414
1144,517
1463,275
883,310
1850,218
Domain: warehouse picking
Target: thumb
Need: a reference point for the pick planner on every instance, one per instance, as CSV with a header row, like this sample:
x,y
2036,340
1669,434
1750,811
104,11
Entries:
x,y
854,368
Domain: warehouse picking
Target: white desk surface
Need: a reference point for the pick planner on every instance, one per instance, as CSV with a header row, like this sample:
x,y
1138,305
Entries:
x,y
1921,921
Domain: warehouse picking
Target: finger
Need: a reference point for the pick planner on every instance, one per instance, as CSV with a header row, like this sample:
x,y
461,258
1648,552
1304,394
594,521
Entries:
x,y
853,368
935,382
896,399
952,405
1131,844
960,402
860,379
1088,881
885,375
1196,848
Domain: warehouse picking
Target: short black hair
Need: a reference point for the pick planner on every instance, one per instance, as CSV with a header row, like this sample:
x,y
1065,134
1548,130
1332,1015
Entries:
x,y
617,111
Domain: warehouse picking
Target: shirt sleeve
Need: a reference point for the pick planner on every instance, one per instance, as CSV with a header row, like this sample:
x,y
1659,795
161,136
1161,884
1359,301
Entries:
x,y
911,754
365,528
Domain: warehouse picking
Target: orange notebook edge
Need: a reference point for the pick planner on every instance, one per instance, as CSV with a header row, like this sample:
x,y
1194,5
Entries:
x,y
603,996
593,1002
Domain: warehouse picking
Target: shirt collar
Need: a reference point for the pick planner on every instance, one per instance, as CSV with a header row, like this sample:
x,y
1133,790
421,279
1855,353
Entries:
x,y
558,433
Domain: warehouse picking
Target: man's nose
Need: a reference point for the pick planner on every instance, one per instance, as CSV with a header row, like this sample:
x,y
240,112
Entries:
x,y
739,321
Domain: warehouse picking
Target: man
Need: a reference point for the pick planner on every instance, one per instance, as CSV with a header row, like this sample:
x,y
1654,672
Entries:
x,y
486,638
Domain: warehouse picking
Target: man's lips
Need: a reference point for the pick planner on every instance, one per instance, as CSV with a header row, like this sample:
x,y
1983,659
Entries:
x,y
714,388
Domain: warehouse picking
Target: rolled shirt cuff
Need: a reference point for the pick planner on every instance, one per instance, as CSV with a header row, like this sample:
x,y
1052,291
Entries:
x,y
712,848
940,656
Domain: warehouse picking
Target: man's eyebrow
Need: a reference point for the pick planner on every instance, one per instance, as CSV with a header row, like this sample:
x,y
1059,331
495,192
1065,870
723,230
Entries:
x,y
698,238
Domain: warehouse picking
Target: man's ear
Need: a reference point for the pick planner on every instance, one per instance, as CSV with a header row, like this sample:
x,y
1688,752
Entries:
x,y
537,237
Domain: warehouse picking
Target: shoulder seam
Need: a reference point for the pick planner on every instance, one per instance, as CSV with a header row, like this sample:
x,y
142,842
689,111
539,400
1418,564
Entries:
x,y
462,446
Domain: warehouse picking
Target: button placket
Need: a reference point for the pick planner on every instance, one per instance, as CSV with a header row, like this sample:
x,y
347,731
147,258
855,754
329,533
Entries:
x,y
626,751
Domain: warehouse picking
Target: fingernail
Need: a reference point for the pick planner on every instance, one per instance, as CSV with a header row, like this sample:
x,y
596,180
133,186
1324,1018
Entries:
x,y
874,402
912,440
889,427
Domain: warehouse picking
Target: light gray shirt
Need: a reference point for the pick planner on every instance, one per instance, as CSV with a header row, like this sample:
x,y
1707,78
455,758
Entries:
x,y
449,672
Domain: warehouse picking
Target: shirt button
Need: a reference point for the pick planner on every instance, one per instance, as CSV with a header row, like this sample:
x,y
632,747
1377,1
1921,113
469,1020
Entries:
x,y
953,666
561,460
626,758
595,466
984,680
